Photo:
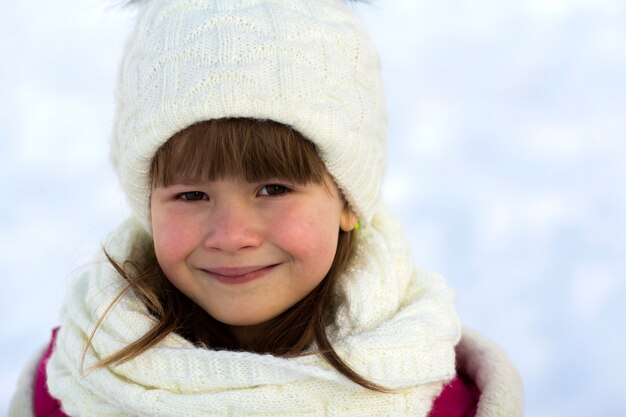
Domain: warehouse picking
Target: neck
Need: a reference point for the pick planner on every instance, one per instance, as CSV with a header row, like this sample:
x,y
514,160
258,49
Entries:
x,y
247,335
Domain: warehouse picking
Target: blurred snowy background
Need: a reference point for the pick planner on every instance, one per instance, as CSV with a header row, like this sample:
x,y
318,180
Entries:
x,y
507,162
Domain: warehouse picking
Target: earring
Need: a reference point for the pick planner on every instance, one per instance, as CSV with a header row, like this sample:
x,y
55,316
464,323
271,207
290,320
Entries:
x,y
357,225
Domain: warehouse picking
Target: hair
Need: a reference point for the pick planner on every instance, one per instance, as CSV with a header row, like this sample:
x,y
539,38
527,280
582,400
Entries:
x,y
254,150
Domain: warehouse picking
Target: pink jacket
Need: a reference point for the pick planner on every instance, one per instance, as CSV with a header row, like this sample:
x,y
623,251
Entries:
x,y
457,399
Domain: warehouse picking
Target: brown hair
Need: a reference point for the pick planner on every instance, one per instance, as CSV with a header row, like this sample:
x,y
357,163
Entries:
x,y
255,150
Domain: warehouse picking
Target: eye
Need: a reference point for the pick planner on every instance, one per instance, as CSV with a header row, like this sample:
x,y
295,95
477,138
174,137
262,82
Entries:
x,y
273,190
192,196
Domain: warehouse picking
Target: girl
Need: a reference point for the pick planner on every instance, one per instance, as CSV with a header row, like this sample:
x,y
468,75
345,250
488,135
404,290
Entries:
x,y
259,273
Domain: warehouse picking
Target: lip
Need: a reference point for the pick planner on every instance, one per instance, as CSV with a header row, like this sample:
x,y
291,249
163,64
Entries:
x,y
238,275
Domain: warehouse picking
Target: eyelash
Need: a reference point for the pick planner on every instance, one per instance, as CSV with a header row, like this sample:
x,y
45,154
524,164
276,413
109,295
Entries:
x,y
191,196
284,190
185,196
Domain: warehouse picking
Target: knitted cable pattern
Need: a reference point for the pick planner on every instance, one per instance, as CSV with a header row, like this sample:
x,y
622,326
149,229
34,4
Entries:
x,y
306,64
395,325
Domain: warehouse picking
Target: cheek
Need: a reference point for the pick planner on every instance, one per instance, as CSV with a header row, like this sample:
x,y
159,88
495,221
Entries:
x,y
171,241
309,235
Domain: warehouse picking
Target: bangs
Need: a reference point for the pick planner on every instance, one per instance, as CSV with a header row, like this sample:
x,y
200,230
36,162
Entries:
x,y
254,150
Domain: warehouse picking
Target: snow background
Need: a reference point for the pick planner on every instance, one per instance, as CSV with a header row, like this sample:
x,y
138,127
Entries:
x,y
506,161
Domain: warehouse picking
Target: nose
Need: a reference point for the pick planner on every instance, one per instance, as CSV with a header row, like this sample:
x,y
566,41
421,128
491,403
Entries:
x,y
232,227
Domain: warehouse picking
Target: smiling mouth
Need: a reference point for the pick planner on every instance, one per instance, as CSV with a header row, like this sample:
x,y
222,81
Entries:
x,y
239,275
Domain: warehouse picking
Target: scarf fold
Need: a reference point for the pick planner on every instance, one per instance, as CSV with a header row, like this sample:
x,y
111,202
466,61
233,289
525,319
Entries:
x,y
395,325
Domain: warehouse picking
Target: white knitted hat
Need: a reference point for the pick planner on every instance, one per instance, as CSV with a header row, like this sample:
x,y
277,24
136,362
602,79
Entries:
x,y
305,63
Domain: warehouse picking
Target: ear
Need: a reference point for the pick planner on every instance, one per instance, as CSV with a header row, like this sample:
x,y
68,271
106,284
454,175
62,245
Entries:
x,y
348,219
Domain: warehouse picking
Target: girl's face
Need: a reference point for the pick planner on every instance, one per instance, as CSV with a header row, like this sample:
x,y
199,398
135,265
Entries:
x,y
246,252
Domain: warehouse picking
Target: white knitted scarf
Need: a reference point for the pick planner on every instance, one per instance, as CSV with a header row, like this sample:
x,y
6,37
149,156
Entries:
x,y
395,326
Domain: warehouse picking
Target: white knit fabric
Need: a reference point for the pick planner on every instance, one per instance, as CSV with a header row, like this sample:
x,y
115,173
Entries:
x,y
497,379
479,358
395,326
501,391
304,63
